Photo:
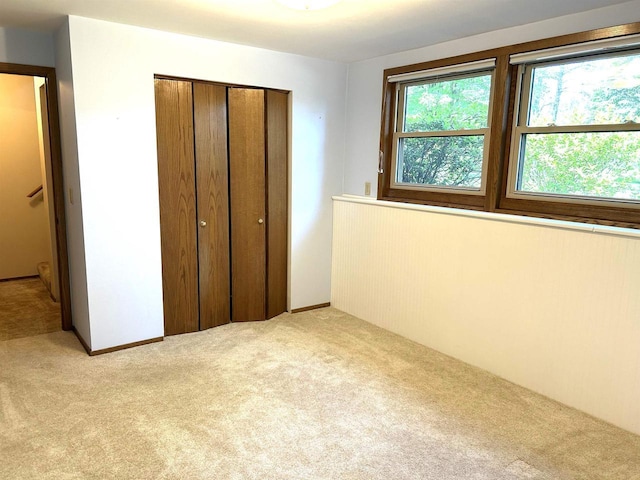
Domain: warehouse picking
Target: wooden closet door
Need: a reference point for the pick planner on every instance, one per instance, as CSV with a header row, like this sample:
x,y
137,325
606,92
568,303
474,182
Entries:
x,y
176,179
212,185
277,201
247,194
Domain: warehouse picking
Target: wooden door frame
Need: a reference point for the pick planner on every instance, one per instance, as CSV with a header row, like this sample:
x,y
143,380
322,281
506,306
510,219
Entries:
x,y
49,74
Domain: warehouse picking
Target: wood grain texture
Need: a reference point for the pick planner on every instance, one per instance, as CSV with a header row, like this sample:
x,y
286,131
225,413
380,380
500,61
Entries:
x,y
247,197
64,283
277,201
498,132
504,105
176,179
311,307
625,216
93,353
386,137
212,184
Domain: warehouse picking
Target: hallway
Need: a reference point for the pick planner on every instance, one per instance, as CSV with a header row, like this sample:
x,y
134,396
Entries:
x,y
26,309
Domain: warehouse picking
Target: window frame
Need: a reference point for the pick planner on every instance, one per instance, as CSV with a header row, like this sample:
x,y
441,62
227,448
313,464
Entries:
x,y
388,189
504,108
520,129
400,133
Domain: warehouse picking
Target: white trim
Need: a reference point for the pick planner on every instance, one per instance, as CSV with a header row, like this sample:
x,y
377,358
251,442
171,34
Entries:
x,y
582,128
496,217
438,72
580,48
475,132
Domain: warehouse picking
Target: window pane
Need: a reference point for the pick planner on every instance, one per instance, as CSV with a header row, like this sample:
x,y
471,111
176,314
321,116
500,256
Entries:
x,y
601,91
456,104
605,164
441,161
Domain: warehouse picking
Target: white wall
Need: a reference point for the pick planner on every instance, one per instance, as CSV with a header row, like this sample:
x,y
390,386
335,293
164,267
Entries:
x,y
113,69
26,47
552,309
24,240
73,199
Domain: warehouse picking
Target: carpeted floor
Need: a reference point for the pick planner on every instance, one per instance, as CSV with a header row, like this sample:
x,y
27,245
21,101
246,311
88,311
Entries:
x,y
316,395
26,309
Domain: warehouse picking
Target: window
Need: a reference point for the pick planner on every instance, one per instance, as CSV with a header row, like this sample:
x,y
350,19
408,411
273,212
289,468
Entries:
x,y
549,128
442,122
577,134
441,137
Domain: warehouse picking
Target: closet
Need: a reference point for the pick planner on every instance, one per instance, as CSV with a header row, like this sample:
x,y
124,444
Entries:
x,y
222,174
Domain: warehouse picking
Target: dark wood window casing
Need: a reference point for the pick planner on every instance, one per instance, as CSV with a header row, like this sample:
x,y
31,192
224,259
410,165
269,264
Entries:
x,y
504,107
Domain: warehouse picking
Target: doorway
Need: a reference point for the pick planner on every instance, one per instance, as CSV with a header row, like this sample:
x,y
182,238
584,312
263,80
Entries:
x,y
34,275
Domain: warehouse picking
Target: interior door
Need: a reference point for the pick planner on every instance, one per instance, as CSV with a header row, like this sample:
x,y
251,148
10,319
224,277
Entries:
x,y
212,186
248,205
176,179
46,144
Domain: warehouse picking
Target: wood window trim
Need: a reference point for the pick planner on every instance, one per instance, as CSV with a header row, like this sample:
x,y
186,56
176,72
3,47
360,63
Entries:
x,y
458,198
500,138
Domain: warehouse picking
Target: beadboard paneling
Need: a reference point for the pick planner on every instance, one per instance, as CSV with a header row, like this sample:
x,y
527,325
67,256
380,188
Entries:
x,y
555,310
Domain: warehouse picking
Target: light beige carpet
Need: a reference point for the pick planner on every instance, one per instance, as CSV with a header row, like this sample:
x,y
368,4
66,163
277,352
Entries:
x,y
317,395
26,309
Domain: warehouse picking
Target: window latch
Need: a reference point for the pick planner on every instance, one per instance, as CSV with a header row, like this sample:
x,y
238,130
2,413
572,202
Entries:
x,y
380,162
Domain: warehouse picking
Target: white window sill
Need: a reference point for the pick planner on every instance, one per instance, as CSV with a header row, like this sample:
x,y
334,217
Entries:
x,y
496,217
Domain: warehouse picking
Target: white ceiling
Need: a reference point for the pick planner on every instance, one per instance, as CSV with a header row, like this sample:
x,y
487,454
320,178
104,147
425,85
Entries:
x,y
349,31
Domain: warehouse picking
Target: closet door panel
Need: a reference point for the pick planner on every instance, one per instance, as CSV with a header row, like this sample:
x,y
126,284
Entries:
x,y
247,196
277,205
212,185
176,179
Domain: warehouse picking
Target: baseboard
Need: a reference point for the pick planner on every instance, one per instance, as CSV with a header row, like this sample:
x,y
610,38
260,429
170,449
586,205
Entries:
x,y
81,340
311,307
125,346
93,353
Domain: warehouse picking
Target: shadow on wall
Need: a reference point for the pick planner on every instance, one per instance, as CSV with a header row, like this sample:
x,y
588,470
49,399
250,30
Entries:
x,y
26,47
312,187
